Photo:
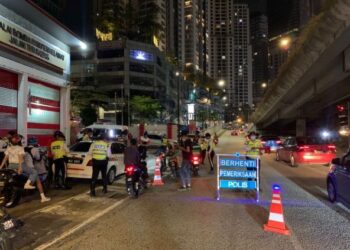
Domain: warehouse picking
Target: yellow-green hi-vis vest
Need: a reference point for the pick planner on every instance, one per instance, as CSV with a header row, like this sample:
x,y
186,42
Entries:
x,y
99,150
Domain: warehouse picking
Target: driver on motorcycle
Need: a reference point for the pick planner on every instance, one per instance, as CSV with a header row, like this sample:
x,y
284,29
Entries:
x,y
132,157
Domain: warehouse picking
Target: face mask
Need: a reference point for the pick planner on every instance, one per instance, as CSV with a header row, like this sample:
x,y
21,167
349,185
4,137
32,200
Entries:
x,y
253,138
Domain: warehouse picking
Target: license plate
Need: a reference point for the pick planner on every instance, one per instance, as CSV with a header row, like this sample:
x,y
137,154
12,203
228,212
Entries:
x,y
8,224
74,161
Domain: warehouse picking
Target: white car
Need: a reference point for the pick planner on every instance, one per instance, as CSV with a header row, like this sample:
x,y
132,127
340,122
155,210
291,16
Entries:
x,y
80,163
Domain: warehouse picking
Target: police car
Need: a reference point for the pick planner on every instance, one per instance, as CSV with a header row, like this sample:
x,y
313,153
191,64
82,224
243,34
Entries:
x,y
80,163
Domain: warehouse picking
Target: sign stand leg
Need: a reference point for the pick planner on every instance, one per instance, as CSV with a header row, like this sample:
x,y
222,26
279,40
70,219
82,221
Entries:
x,y
217,195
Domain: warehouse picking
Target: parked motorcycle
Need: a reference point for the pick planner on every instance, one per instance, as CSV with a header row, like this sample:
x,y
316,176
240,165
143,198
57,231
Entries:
x,y
8,227
12,186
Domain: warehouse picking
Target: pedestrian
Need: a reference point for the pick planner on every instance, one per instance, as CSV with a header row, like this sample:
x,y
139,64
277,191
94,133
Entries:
x,y
185,169
210,151
253,146
87,135
4,143
32,159
100,152
204,145
59,151
15,155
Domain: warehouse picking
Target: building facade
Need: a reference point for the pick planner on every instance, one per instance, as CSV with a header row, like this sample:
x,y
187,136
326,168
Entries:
x,y
229,49
123,69
260,45
34,72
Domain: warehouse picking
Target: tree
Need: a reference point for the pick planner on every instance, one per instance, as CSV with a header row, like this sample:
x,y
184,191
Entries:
x,y
144,108
88,115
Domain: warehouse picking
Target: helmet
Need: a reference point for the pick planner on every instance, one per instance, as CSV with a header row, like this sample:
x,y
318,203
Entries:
x,y
252,133
58,133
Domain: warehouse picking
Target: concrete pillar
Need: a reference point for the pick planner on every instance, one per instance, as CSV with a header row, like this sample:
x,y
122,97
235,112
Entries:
x,y
65,112
301,127
22,109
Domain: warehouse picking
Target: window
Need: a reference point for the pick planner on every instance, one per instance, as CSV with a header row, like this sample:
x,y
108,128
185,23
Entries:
x,y
81,147
117,148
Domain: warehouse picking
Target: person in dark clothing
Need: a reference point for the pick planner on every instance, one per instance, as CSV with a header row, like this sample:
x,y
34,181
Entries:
x,y
185,169
132,157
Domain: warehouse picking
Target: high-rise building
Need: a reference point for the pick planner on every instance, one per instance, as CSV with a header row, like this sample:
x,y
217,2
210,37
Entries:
x,y
287,18
190,34
229,49
260,45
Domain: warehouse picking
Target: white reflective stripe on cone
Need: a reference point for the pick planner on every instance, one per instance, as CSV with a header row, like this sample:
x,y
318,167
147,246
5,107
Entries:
x,y
276,196
157,177
276,217
276,201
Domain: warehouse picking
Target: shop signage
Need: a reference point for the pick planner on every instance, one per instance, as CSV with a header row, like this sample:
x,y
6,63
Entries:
x,y
17,37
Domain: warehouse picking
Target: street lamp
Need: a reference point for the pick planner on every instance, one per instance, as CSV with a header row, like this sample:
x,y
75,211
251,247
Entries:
x,y
221,83
83,45
264,85
177,73
224,98
284,43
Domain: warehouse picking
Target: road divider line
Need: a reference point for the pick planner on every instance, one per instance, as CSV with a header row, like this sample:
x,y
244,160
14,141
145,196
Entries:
x,y
78,227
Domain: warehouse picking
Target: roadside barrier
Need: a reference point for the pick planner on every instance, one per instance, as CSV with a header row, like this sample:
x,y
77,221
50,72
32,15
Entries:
x,y
157,181
276,222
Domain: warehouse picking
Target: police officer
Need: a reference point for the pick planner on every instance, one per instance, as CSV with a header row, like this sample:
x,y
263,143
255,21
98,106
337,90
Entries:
x,y
87,135
59,151
100,152
253,145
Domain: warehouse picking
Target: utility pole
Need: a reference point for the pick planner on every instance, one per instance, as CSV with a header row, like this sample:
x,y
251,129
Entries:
x,y
178,104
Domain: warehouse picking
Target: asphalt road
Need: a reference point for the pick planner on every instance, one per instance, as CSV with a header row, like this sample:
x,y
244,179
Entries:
x,y
163,218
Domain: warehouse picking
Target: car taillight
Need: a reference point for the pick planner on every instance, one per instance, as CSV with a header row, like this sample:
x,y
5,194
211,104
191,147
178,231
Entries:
x,y
278,142
303,147
331,147
89,164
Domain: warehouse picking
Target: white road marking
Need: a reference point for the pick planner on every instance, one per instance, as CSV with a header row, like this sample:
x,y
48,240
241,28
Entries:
x,y
77,227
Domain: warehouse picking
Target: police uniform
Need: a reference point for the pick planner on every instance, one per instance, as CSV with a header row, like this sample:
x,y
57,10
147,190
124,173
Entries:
x,y
253,148
59,151
100,150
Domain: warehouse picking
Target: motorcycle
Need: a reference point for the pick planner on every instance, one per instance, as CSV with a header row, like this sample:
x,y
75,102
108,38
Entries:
x,y
195,160
8,226
12,186
135,181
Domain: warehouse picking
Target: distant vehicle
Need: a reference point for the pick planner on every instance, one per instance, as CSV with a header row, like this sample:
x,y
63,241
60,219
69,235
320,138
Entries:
x,y
338,180
155,140
113,131
234,133
80,164
305,150
270,143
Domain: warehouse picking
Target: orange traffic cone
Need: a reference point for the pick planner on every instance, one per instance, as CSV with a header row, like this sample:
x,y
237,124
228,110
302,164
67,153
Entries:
x,y
276,223
157,181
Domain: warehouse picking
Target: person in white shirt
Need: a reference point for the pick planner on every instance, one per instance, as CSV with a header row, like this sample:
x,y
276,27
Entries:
x,y
15,155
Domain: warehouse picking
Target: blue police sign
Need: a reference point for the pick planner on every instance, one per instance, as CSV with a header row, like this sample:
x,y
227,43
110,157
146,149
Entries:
x,y
237,172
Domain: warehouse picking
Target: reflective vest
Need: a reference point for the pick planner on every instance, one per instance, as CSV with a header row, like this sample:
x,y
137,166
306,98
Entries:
x,y
204,145
100,150
58,149
253,147
164,141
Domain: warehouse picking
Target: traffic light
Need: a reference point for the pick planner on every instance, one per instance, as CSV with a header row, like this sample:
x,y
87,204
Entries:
x,y
342,115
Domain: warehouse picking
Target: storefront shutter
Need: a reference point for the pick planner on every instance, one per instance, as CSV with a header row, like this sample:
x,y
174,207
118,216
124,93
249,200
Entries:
x,y
8,101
